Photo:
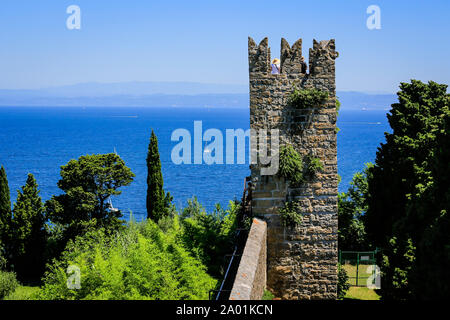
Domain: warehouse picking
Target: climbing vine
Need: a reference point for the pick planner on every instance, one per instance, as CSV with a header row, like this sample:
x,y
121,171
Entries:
x,y
295,168
313,165
291,165
338,107
290,213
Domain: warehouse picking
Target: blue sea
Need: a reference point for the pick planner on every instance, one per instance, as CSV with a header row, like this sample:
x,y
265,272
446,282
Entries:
x,y
41,139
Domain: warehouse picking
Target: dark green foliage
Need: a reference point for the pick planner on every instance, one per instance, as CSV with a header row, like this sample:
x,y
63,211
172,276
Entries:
x,y
209,236
28,233
295,169
307,98
431,277
8,283
408,198
291,165
3,262
139,262
352,205
290,213
158,202
88,183
313,165
343,284
5,209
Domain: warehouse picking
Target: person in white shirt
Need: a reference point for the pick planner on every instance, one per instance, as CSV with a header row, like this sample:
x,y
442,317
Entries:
x,y
276,66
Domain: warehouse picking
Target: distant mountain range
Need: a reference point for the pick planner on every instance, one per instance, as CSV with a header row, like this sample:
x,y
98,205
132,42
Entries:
x,y
164,94
352,100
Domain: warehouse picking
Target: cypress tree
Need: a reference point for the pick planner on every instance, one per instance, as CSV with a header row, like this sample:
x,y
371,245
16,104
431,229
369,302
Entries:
x,y
157,201
5,208
28,231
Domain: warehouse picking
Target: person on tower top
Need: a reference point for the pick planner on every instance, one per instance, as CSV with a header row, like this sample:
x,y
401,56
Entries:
x,y
276,66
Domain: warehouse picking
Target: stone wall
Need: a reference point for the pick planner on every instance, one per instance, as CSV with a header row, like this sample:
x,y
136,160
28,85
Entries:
x,y
250,280
302,262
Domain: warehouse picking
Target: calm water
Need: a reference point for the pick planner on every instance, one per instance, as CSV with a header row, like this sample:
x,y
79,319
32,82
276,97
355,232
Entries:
x,y
40,140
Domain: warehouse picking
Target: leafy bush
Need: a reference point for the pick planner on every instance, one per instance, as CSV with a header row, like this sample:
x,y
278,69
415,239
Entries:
x,y
23,293
291,165
307,98
209,236
290,214
343,284
295,168
313,165
8,283
141,262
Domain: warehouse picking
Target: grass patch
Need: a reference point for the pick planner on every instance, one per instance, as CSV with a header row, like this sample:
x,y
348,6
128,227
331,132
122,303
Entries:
x,y
22,293
267,295
361,293
362,274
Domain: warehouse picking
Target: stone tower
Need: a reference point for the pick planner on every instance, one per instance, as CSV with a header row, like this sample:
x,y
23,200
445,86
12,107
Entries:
x,y
301,261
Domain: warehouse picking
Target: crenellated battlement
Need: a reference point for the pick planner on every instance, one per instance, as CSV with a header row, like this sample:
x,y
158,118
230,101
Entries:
x,y
321,58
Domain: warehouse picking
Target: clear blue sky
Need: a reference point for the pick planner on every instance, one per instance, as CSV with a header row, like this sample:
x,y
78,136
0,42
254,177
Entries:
x,y
206,41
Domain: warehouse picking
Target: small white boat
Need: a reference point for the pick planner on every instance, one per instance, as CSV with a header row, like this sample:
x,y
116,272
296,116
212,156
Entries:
x,y
206,149
111,207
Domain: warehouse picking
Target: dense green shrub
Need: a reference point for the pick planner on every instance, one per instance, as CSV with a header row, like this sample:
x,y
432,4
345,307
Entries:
x,y
291,165
295,168
8,283
291,214
343,284
141,262
313,165
307,98
209,236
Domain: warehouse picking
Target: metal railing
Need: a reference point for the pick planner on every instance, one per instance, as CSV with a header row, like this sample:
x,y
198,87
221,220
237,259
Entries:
x,y
239,243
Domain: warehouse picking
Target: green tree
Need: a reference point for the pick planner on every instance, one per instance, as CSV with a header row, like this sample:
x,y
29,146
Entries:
x,y
88,183
431,277
408,197
28,234
352,205
5,209
158,202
